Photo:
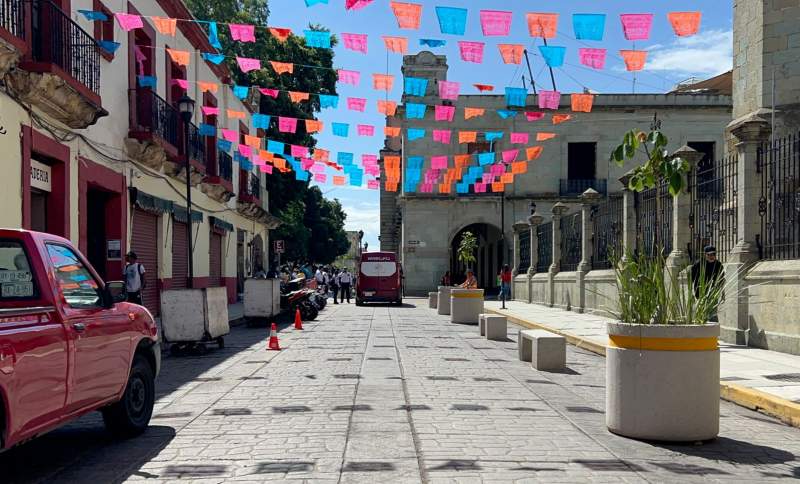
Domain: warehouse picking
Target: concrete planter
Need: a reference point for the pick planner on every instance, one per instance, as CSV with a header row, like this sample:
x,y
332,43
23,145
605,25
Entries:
x,y
433,299
466,305
662,382
443,301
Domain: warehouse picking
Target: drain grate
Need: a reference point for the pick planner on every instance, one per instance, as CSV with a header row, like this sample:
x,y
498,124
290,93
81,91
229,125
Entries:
x,y
785,377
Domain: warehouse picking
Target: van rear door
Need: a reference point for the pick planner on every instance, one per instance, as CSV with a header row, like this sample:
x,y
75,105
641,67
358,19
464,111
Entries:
x,y
379,278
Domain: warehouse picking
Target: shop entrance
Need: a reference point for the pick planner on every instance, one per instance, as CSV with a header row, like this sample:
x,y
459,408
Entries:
x,y
96,206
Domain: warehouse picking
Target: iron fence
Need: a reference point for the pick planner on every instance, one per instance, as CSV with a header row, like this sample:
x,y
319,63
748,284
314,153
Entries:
x,y
524,251
654,221
197,144
607,223
713,217
12,17
571,187
544,238
778,163
57,39
571,238
155,115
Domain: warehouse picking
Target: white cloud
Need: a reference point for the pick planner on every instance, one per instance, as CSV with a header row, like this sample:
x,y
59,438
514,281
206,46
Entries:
x,y
707,53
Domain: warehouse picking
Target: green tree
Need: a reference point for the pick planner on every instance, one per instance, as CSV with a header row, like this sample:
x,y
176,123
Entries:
x,y
466,248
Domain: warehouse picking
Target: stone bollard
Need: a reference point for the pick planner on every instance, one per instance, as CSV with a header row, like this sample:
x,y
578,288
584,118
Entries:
x,y
433,299
443,300
466,305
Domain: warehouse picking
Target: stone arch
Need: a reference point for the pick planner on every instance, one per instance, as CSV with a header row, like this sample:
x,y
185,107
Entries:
x,y
489,255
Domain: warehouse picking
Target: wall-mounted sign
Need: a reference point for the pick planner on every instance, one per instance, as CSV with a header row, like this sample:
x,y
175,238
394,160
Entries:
x,y
113,249
280,248
41,176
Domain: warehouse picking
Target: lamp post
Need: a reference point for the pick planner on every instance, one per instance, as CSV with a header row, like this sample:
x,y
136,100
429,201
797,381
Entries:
x,y
186,109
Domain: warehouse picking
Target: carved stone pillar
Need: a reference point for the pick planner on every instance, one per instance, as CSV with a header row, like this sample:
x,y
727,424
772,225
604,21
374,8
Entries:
x,y
534,221
559,209
588,199
678,259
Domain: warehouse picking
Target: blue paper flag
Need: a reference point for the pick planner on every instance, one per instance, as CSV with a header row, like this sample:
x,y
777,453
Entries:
x,y
432,42
516,96
356,179
415,133
309,3
553,55
241,91
341,129
207,129
213,36
92,15
275,146
261,121
328,101
213,58
452,20
224,145
493,135
415,86
344,158
589,26
485,158
147,81
415,162
462,188
301,175
318,38
245,164
415,111
109,46
505,113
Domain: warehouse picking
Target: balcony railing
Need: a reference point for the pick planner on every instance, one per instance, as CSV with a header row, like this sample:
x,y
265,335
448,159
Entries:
x,y
249,187
197,145
154,114
572,187
60,41
12,17
225,166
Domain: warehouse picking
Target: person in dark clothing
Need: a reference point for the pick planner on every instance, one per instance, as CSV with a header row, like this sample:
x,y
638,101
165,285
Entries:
x,y
708,270
335,284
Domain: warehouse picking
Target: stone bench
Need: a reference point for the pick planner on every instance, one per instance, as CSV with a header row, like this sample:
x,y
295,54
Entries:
x,y
545,350
433,299
499,327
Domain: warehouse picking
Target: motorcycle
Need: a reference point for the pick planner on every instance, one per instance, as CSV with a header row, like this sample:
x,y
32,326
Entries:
x,y
294,296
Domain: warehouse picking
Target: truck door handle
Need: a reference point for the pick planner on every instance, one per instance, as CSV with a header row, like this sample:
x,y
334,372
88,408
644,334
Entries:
x,y
79,327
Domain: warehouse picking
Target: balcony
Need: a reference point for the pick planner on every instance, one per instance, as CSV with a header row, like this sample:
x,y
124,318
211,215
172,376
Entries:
x,y
573,188
249,201
60,74
218,184
12,34
250,189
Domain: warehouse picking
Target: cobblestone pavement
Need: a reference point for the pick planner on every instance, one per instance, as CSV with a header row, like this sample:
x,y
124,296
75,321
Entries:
x,y
391,395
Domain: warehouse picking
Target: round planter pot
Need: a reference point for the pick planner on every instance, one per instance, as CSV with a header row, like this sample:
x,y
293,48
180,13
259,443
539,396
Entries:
x,y
662,382
433,299
466,305
443,301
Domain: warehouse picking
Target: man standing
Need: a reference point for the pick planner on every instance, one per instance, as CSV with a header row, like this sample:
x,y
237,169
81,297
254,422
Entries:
x,y
135,281
707,272
345,279
335,284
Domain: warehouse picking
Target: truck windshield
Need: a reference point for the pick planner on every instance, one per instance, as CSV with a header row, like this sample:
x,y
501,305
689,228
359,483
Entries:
x,y
16,278
378,269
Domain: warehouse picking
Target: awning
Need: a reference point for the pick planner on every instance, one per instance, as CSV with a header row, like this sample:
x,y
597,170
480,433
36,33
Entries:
x,y
220,224
179,214
148,202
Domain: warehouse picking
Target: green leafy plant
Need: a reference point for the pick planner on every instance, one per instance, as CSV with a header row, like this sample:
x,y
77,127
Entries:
x,y
659,167
466,248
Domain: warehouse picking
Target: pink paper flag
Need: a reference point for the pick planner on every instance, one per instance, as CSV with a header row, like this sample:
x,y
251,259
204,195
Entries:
x,y
245,150
480,187
230,135
243,33
637,25
494,22
299,151
306,163
287,125
369,159
356,4
349,77
534,116
519,138
439,162
497,170
210,110
549,99
356,104
510,155
266,169
183,83
471,51
372,170
365,130
320,177
449,90
445,113
273,93
128,21
317,168
355,42
373,184
396,44
594,58
247,64
441,136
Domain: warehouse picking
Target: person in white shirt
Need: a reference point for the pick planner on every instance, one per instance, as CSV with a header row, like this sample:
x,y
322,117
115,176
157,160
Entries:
x,y
135,281
345,280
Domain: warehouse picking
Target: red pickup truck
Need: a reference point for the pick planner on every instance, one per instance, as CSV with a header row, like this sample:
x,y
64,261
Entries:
x,y
69,344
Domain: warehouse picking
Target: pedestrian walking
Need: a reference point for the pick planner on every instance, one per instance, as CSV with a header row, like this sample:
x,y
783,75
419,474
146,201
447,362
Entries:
x,y
505,282
135,281
335,284
345,280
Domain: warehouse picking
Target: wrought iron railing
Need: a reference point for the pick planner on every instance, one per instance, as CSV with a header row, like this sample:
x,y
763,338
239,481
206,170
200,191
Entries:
x,y
225,165
250,185
60,41
779,204
570,187
197,144
12,17
713,217
544,238
155,115
654,221
607,222
571,238
524,251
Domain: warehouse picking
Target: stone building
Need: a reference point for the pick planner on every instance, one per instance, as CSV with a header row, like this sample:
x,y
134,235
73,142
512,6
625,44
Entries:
x,y
424,228
90,154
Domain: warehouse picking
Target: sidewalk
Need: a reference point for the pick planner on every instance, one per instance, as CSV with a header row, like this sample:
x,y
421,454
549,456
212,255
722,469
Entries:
x,y
755,378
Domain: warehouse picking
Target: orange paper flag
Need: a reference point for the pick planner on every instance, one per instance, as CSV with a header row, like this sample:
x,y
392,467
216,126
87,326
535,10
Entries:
x,y
265,156
467,136
444,188
543,24
544,136
382,82
498,187
391,186
396,44
252,141
407,14
534,152
470,113
512,53
321,155
296,97
507,178
388,108
313,126
634,59
207,86
338,180
282,67
165,26
519,167
582,103
180,57
232,114
392,131
279,162
280,34
685,23
484,87
561,118
462,160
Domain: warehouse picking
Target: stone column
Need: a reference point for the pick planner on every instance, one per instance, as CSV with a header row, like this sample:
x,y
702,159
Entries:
x,y
628,218
559,209
749,133
534,221
518,228
588,199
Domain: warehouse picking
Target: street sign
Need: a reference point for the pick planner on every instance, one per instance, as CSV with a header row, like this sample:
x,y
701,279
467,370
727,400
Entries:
x,y
279,247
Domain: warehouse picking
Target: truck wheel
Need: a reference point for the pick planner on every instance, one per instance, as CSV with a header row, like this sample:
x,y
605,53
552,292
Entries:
x,y
131,415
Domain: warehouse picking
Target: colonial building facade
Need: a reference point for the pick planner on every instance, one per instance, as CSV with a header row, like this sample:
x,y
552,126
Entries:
x,y
93,154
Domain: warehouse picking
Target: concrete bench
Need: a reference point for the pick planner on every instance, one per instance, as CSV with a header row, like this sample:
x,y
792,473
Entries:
x,y
482,323
433,299
545,350
496,327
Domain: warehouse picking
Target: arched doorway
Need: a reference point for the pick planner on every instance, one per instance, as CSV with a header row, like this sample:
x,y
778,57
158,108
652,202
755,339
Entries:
x,y
488,256
257,254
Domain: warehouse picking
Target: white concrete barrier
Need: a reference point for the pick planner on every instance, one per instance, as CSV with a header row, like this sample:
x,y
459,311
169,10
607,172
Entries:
x,y
545,350
496,327
482,323
433,299
465,305
194,315
262,298
443,300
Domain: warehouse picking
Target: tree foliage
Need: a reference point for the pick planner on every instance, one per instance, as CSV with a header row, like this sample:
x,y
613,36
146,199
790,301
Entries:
x,y
466,248
659,167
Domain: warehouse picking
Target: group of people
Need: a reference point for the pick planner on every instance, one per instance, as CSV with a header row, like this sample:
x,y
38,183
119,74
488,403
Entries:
x,y
471,282
335,281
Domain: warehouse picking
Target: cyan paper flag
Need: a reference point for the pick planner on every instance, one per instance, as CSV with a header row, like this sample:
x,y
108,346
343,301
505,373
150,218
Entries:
x,y
344,158
415,133
301,175
553,55
92,15
462,188
415,111
505,113
241,91
245,164
213,36
328,101
485,158
415,86
309,3
409,186
275,146
589,26
452,20
207,129
341,129
224,145
214,58
432,42
493,135
318,38
147,81
261,121
415,162
516,96
356,179
109,46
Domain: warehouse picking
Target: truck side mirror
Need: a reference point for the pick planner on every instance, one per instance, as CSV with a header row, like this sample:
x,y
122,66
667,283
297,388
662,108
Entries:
x,y
115,293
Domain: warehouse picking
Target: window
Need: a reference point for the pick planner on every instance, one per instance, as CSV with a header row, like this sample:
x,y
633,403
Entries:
x,y
378,269
76,283
478,147
16,277
581,161
104,30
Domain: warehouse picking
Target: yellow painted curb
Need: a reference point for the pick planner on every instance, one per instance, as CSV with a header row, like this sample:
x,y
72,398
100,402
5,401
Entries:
x,y
780,408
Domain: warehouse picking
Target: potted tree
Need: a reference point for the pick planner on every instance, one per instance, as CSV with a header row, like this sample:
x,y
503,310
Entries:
x,y
466,255
466,304
662,365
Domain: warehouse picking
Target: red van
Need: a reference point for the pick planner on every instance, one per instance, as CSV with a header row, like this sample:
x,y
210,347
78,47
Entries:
x,y
380,278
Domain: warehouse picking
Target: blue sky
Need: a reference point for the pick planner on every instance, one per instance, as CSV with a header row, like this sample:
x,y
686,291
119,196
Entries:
x,y
671,60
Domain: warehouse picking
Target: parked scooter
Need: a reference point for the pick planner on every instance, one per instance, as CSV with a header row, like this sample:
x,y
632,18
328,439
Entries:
x,y
294,295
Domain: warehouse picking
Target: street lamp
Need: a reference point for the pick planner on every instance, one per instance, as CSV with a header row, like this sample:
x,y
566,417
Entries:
x,y
532,206
186,109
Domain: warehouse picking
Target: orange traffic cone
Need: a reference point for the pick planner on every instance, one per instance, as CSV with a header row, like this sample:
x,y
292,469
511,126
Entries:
x,y
273,339
298,321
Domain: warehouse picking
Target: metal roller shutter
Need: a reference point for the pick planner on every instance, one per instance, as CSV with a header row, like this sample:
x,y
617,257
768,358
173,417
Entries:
x,y
180,256
144,241
215,260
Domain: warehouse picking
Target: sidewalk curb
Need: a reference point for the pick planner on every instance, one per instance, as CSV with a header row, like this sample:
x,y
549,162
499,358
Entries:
x,y
786,411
